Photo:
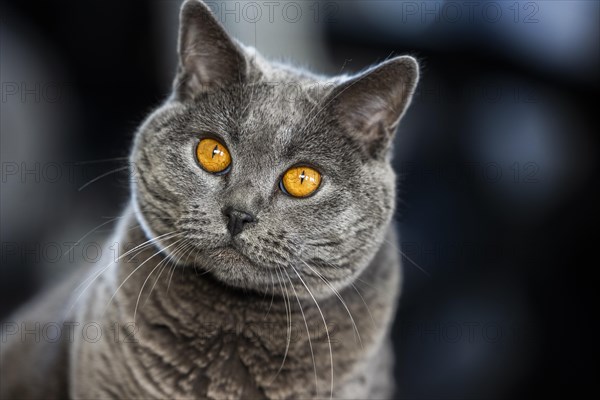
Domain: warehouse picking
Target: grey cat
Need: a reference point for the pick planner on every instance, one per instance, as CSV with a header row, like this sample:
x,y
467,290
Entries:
x,y
272,219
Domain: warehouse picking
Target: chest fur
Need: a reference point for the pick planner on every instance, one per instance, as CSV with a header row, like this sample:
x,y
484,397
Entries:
x,y
191,337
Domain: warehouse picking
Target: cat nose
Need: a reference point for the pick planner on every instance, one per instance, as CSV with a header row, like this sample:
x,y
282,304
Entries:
x,y
237,220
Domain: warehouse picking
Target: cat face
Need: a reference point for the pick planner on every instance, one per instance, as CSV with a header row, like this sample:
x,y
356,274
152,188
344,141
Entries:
x,y
301,190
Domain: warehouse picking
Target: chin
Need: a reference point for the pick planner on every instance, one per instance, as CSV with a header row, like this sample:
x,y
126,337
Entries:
x,y
229,266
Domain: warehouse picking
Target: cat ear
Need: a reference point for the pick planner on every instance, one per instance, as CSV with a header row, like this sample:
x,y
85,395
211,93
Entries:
x,y
208,57
370,105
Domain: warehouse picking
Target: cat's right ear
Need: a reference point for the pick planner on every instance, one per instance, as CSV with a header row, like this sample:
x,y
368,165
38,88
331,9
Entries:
x,y
208,57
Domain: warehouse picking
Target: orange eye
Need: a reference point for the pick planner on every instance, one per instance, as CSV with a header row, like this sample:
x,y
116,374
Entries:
x,y
213,156
300,181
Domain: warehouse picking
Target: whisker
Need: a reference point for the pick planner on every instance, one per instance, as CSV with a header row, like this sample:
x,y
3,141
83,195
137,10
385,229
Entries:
x,y
324,323
334,290
186,245
365,303
134,271
408,258
157,279
288,314
89,233
144,284
102,176
357,292
103,160
96,275
272,293
190,249
312,354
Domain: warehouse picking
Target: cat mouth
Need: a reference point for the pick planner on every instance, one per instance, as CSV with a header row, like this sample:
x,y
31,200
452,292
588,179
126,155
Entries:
x,y
235,267
229,258
234,252
231,250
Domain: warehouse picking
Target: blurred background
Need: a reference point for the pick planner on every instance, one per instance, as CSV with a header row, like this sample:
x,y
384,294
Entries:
x,y
496,159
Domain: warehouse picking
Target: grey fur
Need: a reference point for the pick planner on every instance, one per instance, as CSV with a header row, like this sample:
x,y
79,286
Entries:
x,y
234,317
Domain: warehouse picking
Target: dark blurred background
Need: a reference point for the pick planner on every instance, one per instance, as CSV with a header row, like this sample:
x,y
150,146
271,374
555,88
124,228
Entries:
x,y
496,159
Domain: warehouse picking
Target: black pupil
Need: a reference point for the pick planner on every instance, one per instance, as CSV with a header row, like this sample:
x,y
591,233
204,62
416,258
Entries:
x,y
215,151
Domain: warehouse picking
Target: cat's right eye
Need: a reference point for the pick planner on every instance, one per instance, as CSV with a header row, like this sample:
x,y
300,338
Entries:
x,y
213,156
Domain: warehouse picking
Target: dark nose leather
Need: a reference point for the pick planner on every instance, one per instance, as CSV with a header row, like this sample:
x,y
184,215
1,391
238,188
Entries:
x,y
237,220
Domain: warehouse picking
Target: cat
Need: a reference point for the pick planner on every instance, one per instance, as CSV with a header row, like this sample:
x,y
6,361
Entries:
x,y
273,221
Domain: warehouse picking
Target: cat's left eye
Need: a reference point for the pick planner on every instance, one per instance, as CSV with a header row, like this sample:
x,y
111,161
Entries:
x,y
213,156
300,181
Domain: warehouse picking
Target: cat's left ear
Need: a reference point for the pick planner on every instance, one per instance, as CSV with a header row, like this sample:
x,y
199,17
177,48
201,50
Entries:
x,y
370,105
208,57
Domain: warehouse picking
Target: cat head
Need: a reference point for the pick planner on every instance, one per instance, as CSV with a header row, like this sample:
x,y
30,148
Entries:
x,y
259,173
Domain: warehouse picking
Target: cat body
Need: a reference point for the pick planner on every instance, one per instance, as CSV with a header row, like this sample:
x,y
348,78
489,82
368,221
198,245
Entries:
x,y
227,285
198,338
193,337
